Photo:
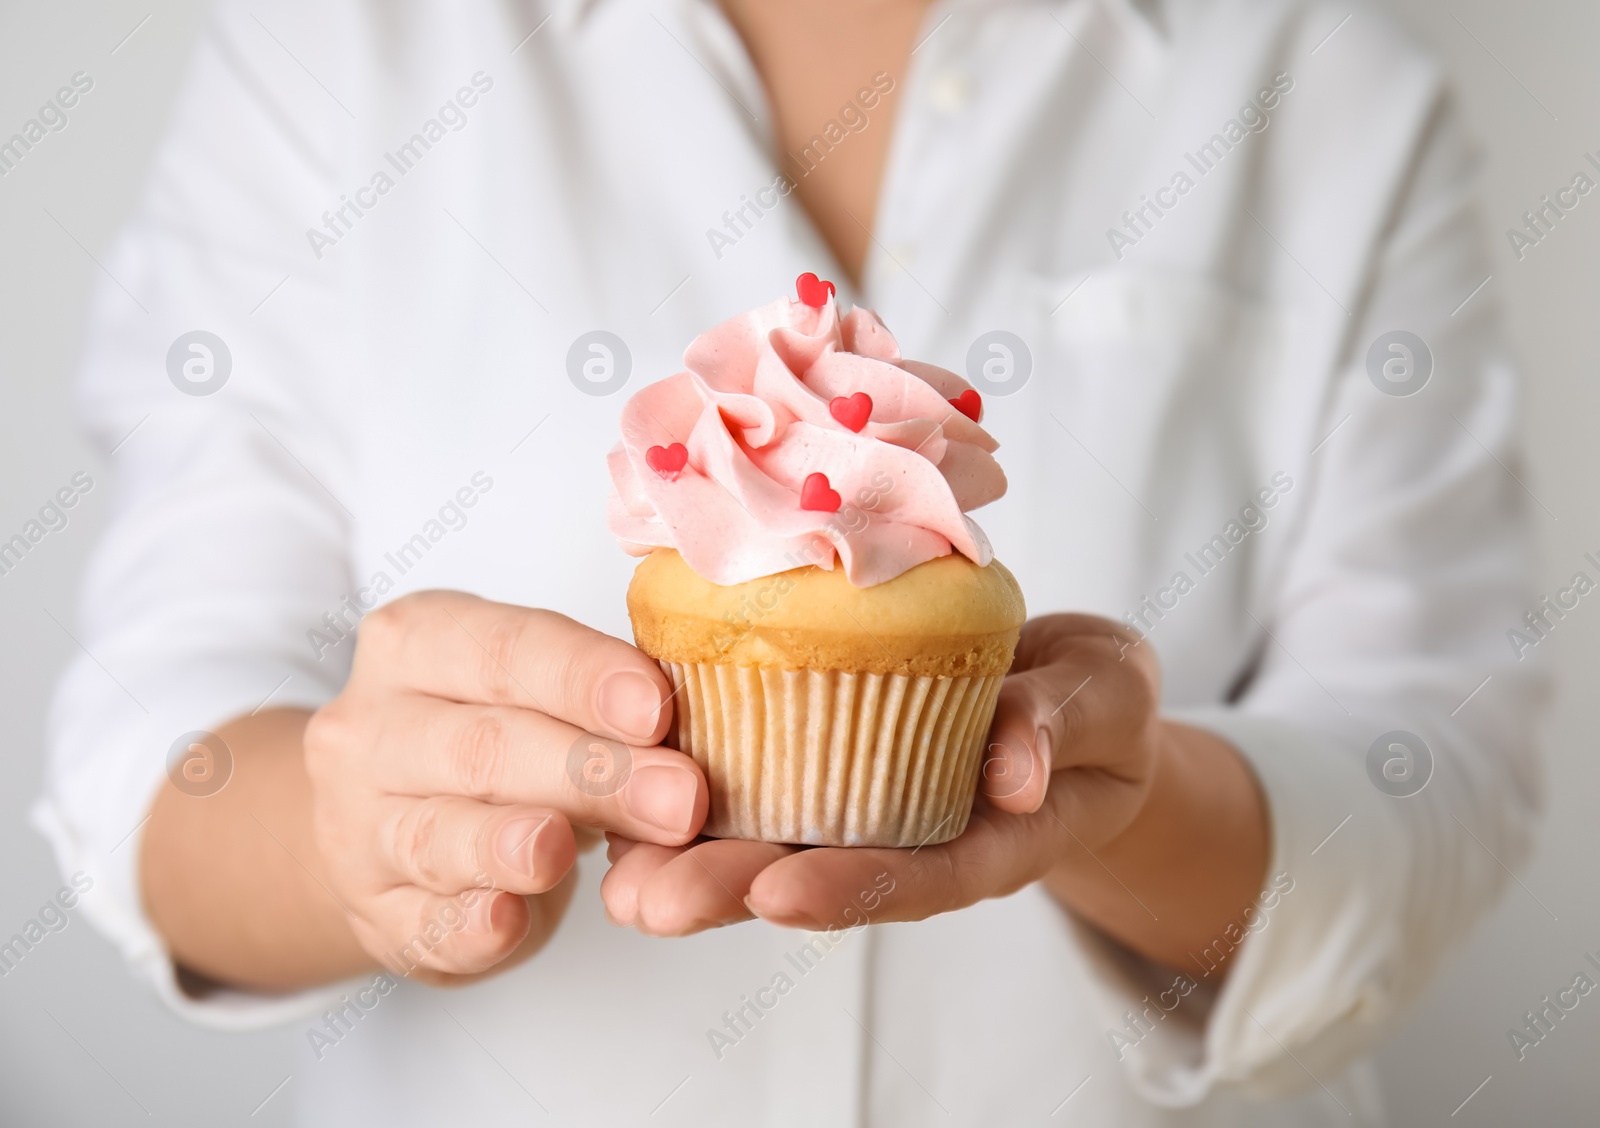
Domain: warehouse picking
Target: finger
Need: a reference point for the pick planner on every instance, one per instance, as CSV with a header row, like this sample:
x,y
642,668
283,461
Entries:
x,y
632,864
682,892
826,889
618,845
1083,709
445,844
704,887
409,929
457,646
544,912
1018,760
505,755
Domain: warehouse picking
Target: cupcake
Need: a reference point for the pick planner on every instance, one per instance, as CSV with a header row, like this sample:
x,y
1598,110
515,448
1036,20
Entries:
x,y
834,625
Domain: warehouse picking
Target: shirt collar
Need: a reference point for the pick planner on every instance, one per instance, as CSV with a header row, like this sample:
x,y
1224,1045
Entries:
x,y
570,13
1149,13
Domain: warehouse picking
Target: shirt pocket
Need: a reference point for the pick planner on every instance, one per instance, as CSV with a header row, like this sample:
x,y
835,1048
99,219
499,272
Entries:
x,y
1154,412
1177,374
1160,328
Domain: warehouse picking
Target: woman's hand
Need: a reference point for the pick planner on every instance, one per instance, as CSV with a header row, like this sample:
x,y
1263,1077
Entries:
x,y
1154,831
448,777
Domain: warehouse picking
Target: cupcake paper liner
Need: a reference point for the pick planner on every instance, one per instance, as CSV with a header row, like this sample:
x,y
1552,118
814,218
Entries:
x,y
829,758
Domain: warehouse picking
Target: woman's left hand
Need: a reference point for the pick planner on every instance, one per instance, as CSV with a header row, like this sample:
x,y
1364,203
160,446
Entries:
x,y
1154,831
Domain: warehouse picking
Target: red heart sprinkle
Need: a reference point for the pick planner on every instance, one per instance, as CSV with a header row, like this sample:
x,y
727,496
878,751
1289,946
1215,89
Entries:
x,y
667,461
969,403
818,495
851,411
814,291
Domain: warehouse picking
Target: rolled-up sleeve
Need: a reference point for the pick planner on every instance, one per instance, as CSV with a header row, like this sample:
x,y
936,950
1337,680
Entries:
x,y
227,542
1414,559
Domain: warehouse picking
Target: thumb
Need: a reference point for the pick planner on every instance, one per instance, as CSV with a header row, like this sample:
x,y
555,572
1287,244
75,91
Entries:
x,y
1031,720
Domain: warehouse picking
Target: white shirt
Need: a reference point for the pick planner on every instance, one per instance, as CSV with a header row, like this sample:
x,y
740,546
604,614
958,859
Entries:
x,y
1189,361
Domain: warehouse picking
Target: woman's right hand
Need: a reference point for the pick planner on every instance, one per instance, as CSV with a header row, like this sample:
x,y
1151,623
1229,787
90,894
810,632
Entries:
x,y
448,776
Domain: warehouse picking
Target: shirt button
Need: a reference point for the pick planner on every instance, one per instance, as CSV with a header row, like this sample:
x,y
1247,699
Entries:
x,y
950,92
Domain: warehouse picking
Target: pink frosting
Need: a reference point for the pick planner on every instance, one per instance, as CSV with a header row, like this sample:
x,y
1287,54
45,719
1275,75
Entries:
x,y
753,411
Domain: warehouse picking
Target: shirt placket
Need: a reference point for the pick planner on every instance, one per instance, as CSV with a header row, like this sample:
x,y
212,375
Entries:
x,y
818,1049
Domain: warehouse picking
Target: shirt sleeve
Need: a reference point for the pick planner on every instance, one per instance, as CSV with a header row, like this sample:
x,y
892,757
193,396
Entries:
x,y
227,541
1389,721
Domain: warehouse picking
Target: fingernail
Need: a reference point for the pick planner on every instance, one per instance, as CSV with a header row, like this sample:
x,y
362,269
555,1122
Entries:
x,y
503,912
1007,770
791,919
630,704
513,846
480,917
700,924
663,797
1045,747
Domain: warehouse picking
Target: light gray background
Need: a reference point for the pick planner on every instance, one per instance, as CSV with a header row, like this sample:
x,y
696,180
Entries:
x,y
82,1043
